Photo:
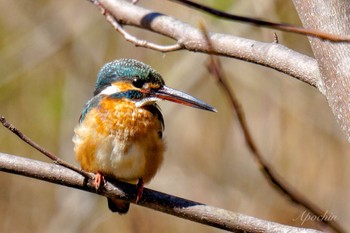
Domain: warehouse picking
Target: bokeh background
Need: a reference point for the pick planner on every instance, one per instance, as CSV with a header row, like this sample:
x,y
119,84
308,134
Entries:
x,y
50,53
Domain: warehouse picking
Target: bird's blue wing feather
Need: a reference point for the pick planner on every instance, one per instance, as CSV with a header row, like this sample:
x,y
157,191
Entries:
x,y
92,103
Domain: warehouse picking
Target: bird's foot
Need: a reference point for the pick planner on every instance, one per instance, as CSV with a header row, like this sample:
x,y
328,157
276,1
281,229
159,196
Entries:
x,y
139,187
99,181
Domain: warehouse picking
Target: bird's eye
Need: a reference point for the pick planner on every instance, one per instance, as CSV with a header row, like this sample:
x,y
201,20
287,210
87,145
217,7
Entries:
x,y
137,82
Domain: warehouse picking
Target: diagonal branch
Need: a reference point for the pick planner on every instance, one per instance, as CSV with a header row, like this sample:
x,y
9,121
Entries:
x,y
214,67
42,150
176,206
272,55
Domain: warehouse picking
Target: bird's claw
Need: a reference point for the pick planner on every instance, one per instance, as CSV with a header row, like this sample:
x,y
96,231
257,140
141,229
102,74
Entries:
x,y
99,181
139,187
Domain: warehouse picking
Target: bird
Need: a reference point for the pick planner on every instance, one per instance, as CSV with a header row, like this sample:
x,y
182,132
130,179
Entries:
x,y
120,130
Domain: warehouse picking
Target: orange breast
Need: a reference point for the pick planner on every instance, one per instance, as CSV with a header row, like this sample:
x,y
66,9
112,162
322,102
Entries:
x,y
120,140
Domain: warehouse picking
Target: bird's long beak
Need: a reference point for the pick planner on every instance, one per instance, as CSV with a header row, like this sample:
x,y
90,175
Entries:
x,y
179,97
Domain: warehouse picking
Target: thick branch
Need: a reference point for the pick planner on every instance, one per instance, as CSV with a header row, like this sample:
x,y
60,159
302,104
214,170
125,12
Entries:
x,y
180,207
271,55
333,59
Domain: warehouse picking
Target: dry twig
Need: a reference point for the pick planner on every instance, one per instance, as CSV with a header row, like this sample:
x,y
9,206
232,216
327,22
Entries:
x,y
267,24
134,40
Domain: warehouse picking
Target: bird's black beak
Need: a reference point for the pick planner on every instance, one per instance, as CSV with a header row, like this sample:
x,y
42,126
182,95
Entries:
x,y
167,93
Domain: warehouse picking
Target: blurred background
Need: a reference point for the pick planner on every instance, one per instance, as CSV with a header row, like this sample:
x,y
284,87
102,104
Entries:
x,y
50,54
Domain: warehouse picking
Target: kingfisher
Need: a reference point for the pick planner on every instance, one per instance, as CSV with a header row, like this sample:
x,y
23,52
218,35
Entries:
x,y
120,131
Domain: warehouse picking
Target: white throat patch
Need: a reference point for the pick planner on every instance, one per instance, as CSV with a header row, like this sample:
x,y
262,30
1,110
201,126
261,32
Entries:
x,y
112,89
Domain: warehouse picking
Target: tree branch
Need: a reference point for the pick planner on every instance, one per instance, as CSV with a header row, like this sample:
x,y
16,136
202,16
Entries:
x,y
176,206
272,55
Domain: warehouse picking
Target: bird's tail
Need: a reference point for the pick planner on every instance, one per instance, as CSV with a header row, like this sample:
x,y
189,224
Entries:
x,y
118,206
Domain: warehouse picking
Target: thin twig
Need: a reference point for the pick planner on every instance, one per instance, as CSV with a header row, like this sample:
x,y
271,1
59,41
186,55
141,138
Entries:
x,y
186,209
214,67
134,40
267,24
42,150
142,43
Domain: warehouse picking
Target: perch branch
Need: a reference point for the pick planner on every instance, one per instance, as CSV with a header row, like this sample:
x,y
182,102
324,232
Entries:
x,y
272,55
214,67
176,206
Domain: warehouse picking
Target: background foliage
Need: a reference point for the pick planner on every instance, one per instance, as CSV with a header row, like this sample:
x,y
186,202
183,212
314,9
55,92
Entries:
x,y
50,53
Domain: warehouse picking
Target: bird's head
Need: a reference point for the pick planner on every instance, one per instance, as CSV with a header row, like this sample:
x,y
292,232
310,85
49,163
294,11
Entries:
x,y
140,83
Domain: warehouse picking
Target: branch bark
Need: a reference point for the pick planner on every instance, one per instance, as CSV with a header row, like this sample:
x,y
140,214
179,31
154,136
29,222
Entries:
x,y
176,206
